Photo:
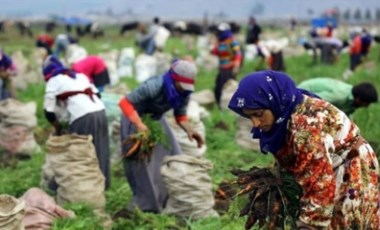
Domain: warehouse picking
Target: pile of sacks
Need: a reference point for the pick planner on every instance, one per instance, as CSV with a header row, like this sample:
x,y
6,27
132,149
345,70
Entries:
x,y
35,210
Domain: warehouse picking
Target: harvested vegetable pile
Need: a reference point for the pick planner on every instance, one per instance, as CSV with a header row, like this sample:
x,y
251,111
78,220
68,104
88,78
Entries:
x,y
273,201
223,197
142,145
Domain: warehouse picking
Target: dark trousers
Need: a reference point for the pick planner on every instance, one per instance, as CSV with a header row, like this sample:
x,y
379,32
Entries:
x,y
149,192
102,78
278,63
355,60
223,76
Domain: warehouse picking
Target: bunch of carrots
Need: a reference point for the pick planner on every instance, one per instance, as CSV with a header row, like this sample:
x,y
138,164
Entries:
x,y
142,143
273,201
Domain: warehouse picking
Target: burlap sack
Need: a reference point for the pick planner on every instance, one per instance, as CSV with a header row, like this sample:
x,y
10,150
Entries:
x,y
76,170
145,67
195,114
163,61
228,90
41,210
189,186
204,97
17,140
13,112
125,62
115,142
11,212
110,59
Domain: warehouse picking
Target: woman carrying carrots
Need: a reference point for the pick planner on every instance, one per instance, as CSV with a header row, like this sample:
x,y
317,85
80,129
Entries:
x,y
154,97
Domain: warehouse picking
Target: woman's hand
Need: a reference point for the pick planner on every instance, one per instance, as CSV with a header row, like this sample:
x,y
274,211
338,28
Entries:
x,y
194,135
191,133
141,127
57,127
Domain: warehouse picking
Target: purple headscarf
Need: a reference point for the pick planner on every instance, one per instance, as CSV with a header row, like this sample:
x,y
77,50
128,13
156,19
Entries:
x,y
223,35
271,90
52,67
5,61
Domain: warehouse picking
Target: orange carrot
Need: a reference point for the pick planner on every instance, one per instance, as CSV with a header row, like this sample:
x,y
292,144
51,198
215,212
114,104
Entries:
x,y
134,148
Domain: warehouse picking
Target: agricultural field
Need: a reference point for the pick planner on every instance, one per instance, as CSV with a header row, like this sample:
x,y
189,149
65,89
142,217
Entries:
x,y
222,149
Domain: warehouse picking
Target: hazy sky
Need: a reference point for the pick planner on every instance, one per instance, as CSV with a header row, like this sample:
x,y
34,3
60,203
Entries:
x,y
181,8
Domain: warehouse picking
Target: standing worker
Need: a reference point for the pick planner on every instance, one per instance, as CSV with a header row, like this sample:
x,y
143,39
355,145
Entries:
x,y
229,53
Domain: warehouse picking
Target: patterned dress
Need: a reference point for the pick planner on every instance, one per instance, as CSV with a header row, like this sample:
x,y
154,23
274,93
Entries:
x,y
336,167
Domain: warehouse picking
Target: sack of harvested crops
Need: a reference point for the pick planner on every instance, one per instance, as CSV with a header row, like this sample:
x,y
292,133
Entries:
x,y
273,200
74,164
17,140
14,112
17,123
12,212
76,170
189,186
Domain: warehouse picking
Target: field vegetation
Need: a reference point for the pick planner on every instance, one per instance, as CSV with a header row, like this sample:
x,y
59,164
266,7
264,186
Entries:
x,y
222,149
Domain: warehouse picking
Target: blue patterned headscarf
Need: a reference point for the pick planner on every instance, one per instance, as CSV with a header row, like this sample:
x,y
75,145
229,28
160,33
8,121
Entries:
x,y
271,90
53,67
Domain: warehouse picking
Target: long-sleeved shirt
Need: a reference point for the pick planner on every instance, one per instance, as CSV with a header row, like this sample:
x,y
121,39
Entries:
x,y
94,68
77,105
89,66
336,168
150,98
229,53
356,45
334,91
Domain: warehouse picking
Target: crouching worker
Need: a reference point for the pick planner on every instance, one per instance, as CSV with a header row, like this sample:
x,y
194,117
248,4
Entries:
x,y
154,97
319,146
74,95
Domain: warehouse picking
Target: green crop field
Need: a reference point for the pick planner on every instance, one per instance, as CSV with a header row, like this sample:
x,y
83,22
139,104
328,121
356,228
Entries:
x,y
222,149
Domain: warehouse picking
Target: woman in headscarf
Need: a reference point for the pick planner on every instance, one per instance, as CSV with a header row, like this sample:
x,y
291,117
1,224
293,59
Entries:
x,y
154,97
7,71
77,100
319,145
